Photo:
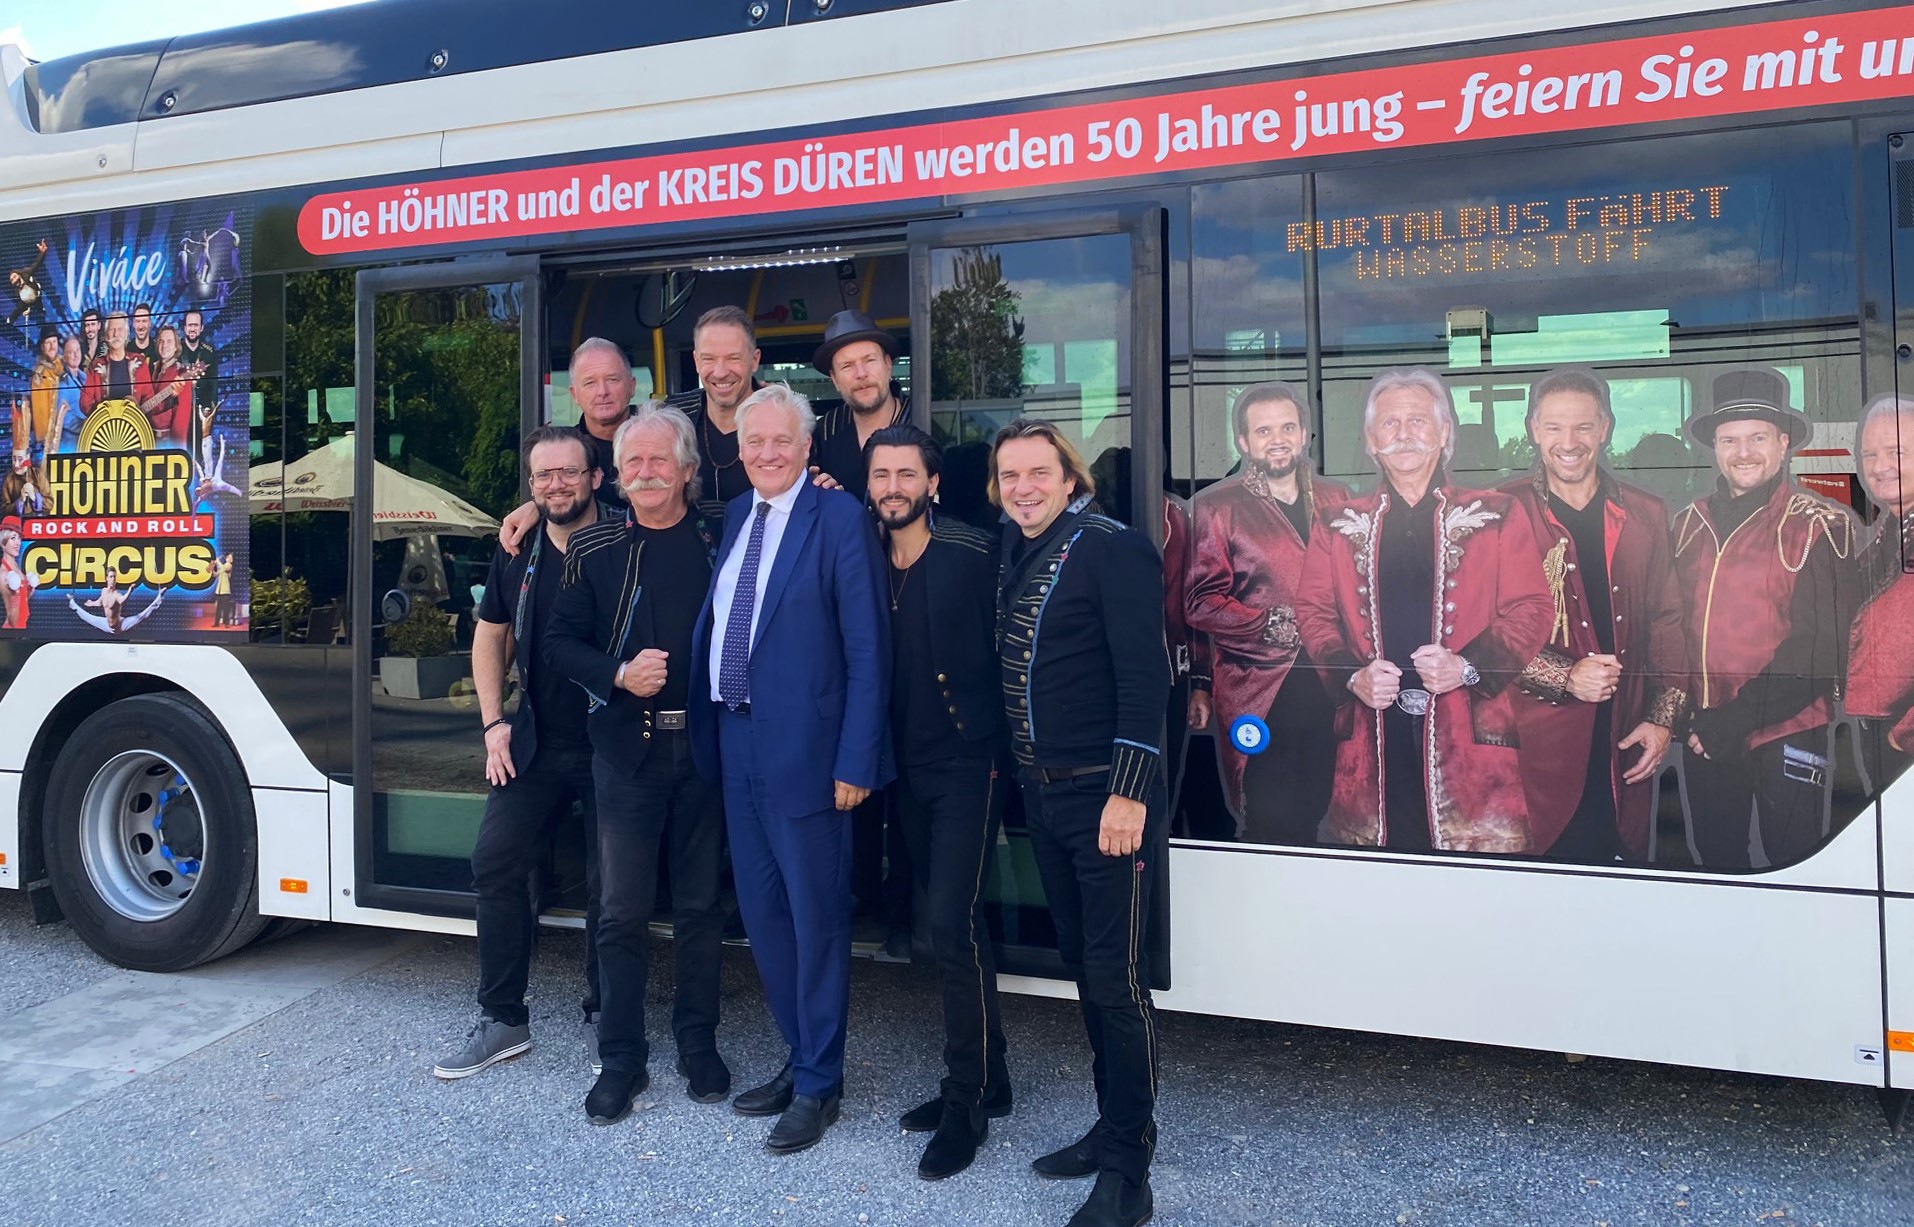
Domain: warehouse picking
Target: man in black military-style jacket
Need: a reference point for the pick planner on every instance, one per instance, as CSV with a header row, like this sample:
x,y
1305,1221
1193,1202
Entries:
x,y
947,729
1086,678
622,629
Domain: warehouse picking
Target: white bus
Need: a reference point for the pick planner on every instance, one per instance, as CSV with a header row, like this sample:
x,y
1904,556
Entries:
x,y
353,251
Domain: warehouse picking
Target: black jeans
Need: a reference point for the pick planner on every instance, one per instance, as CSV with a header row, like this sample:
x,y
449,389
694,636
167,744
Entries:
x,y
664,804
1778,779
1100,905
519,818
880,864
950,811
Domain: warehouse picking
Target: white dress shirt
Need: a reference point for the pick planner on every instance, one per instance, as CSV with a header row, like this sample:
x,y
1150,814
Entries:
x,y
727,587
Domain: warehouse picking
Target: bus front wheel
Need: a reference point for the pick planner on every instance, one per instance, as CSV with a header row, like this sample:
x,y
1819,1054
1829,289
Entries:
x,y
152,849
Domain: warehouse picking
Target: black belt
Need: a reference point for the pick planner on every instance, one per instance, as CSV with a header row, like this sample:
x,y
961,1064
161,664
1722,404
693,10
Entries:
x,y
742,709
1056,775
667,719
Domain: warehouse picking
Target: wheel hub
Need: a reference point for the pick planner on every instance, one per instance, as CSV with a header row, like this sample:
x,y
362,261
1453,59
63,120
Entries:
x,y
142,836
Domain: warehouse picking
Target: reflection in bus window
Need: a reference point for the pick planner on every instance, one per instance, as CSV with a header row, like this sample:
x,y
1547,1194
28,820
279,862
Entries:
x,y
1038,329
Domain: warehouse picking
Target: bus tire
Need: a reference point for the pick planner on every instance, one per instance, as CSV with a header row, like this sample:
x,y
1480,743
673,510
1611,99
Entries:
x,y
150,836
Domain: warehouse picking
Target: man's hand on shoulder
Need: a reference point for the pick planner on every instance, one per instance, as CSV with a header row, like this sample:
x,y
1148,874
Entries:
x,y
511,532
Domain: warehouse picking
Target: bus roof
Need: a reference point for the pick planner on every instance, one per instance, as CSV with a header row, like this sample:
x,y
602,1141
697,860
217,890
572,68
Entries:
x,y
382,43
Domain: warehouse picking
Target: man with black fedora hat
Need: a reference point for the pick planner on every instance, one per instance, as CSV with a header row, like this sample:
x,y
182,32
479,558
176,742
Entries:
x,y
1766,572
859,357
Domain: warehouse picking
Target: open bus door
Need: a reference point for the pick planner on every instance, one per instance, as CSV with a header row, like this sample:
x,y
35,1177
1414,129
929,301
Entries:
x,y
448,381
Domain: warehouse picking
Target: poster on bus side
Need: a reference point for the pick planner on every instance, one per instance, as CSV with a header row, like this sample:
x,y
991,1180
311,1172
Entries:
x,y
125,378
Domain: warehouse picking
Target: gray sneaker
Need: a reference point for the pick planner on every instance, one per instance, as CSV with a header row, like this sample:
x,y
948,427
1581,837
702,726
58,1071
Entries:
x,y
487,1043
591,1044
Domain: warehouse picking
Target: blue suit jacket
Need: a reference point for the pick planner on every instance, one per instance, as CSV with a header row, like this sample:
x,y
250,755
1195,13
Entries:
x,y
821,663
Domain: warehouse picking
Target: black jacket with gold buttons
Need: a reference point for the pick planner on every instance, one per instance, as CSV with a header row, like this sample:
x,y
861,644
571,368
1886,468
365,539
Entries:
x,y
1084,673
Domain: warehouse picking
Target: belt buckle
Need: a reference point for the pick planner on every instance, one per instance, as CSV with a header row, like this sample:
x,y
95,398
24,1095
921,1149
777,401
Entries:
x,y
668,719
1414,701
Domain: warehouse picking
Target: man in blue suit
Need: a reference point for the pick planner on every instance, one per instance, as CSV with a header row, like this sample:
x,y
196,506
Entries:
x,y
791,690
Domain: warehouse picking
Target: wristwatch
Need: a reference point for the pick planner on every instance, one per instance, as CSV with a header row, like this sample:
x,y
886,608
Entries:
x,y
1470,676
618,678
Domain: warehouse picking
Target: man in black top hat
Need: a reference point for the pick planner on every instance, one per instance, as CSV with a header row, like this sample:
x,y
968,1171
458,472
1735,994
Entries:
x,y
859,357
1766,572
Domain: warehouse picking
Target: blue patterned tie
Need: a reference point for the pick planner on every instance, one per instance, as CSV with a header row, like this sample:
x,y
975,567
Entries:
x,y
734,680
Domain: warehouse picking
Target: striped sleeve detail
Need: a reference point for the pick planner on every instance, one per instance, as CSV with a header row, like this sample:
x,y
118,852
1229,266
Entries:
x,y
1132,769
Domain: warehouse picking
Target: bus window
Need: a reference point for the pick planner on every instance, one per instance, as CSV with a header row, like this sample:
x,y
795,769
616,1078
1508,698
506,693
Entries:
x,y
1605,666
1037,328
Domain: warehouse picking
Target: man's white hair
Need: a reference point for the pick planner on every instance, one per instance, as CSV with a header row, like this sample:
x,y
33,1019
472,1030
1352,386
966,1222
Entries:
x,y
655,414
780,394
1422,379
1886,405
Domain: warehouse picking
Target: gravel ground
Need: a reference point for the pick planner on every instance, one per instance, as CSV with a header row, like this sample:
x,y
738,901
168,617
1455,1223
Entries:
x,y
326,1112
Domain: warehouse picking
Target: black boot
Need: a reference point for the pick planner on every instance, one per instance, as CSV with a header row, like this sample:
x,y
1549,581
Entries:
x,y
611,1096
929,1115
1073,1162
1115,1202
954,1145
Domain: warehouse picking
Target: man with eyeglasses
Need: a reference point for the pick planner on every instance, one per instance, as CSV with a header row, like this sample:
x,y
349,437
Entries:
x,y
1422,602
538,759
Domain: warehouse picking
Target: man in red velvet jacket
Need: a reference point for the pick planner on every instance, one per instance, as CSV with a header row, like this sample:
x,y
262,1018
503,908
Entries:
x,y
1881,648
1598,705
118,373
1249,536
1422,603
1767,576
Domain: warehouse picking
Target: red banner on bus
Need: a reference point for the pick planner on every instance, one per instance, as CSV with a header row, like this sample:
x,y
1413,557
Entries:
x,y
1814,61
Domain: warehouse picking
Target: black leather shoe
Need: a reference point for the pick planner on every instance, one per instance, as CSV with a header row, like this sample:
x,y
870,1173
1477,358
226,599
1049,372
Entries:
x,y
803,1124
1073,1162
927,1116
954,1145
767,1100
707,1077
611,1096
1115,1202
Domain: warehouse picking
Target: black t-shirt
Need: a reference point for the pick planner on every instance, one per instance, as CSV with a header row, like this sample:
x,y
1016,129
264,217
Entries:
x,y
1588,530
1405,570
557,704
837,450
922,728
1297,513
119,378
674,572
601,455
721,477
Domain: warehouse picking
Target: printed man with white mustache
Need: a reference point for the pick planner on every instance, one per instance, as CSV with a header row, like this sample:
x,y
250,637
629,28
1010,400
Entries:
x,y
1598,705
1422,603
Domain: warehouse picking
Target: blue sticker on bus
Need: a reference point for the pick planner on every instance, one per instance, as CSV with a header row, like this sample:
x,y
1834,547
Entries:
x,y
1249,734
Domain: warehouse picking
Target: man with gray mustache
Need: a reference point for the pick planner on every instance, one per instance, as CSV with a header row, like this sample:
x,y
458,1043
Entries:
x,y
1421,603
621,629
